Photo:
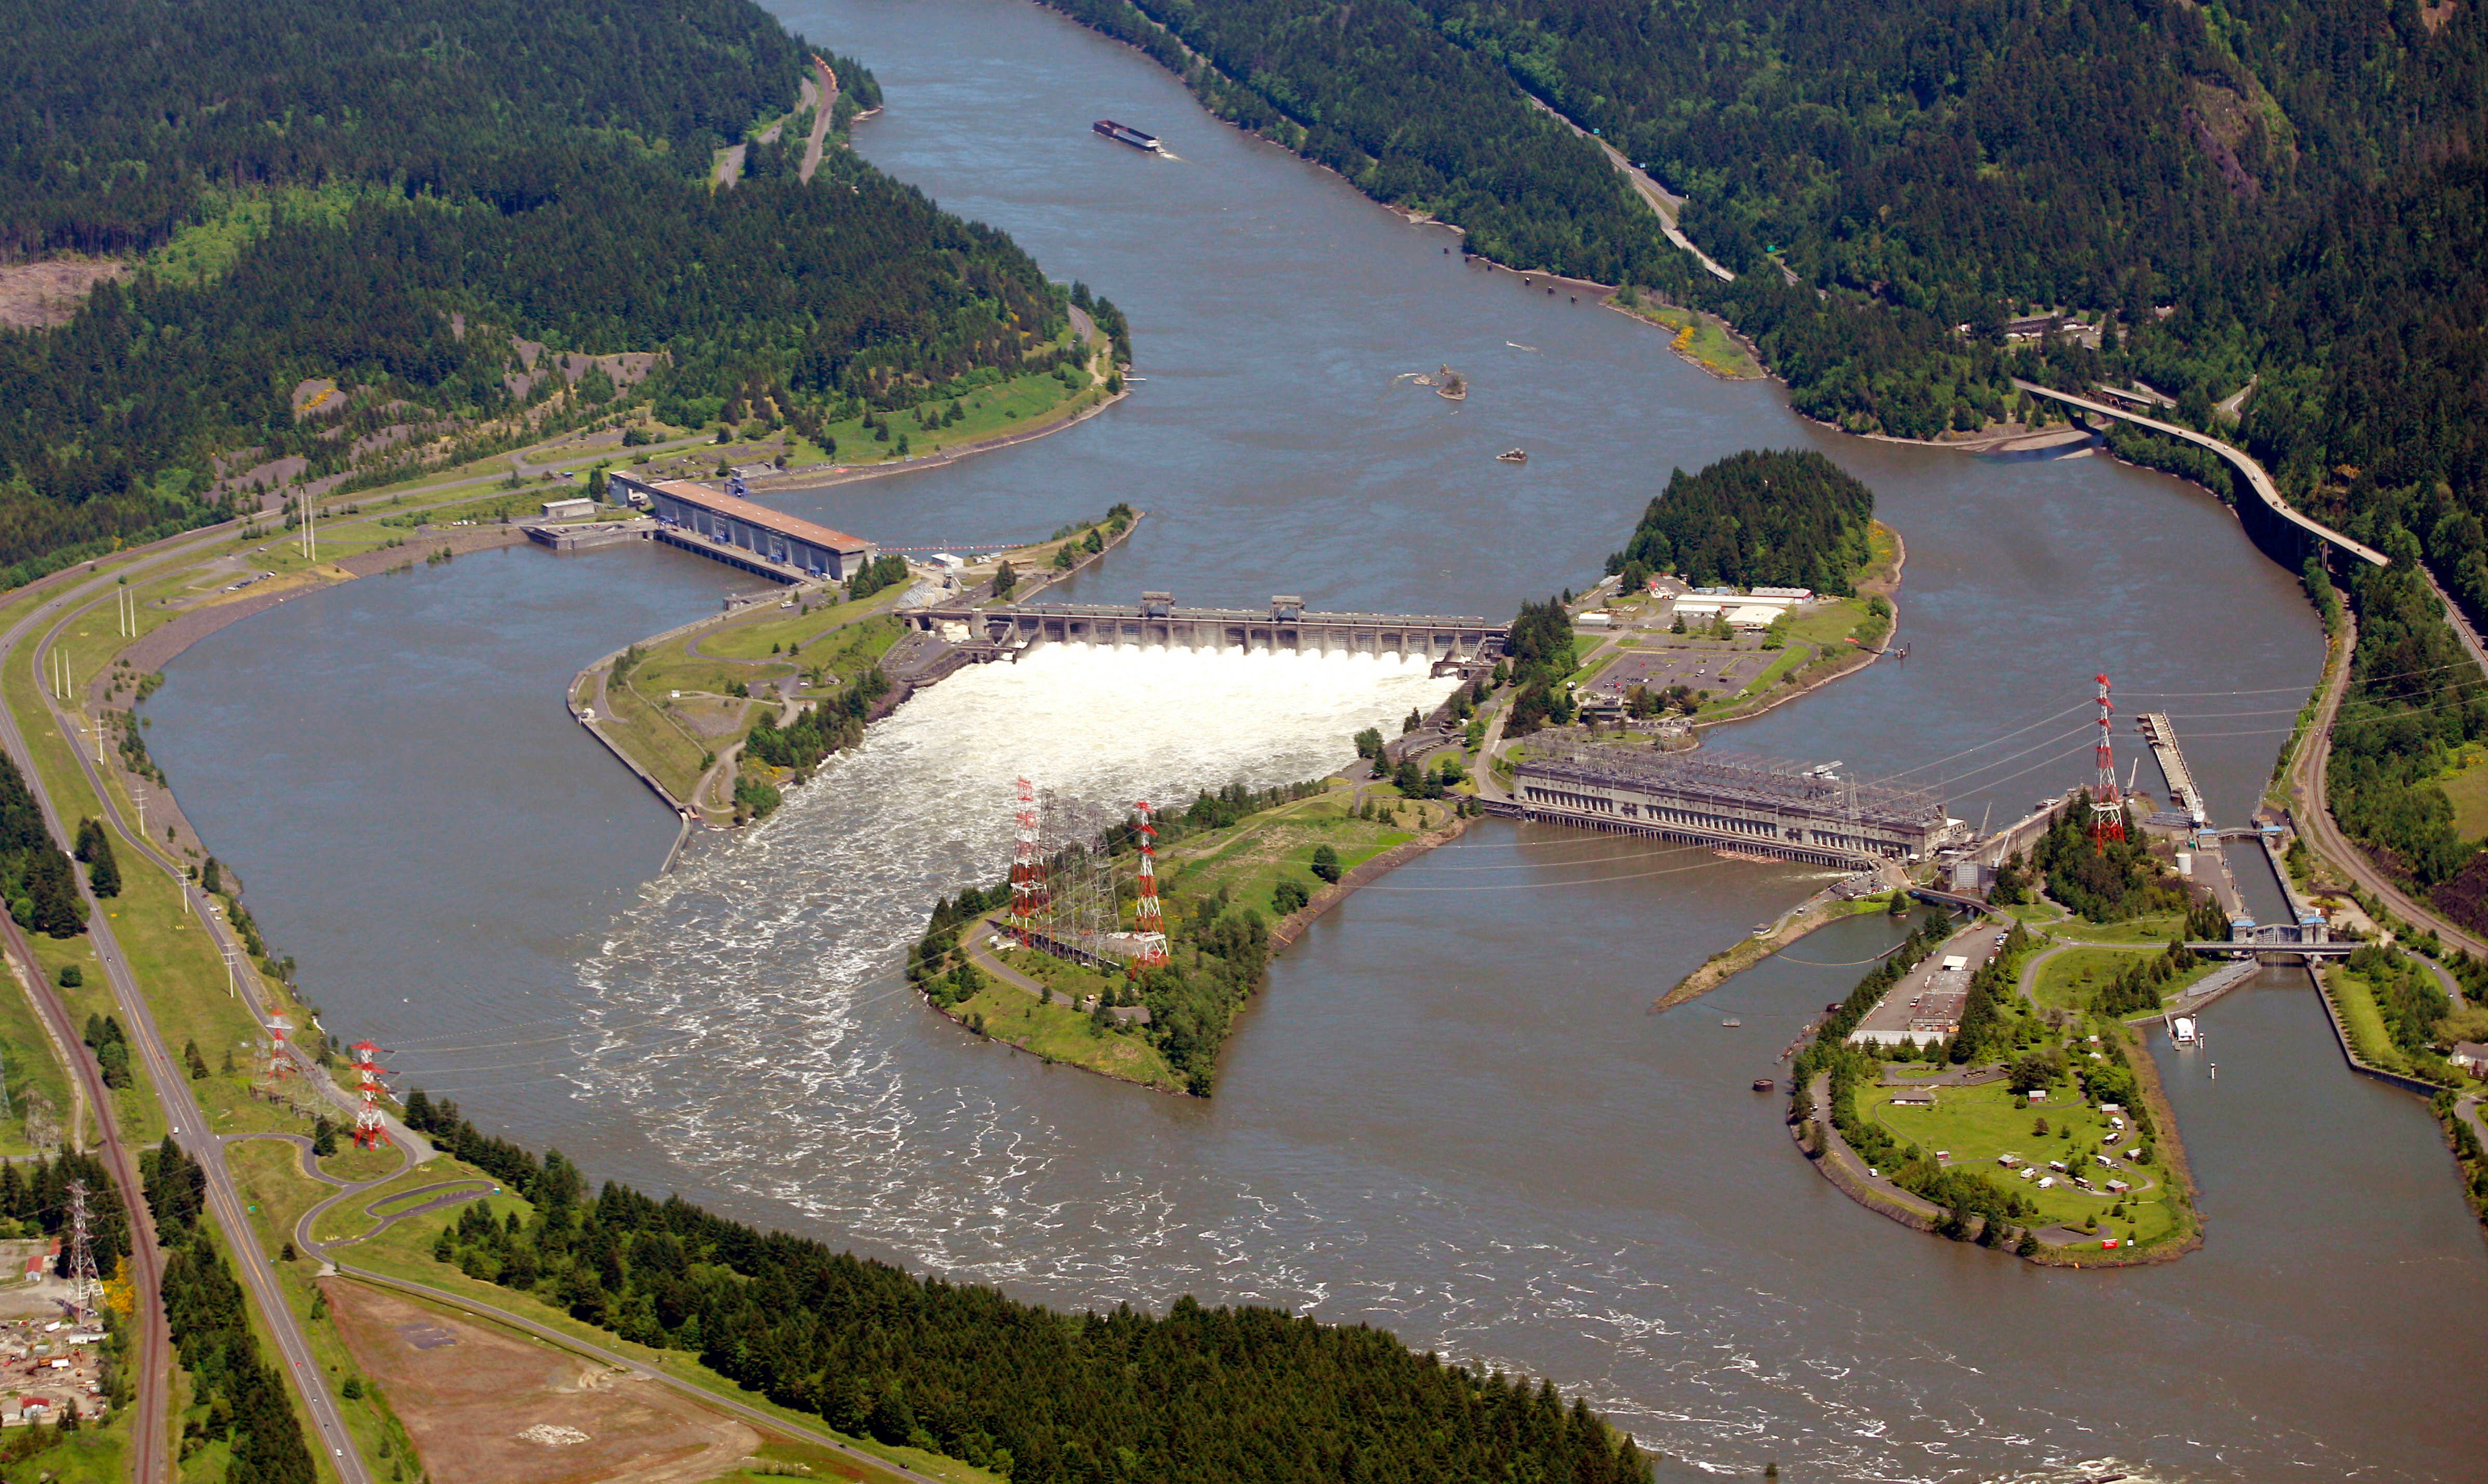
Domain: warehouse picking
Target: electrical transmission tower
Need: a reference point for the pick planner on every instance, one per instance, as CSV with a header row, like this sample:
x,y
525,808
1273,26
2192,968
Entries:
x,y
279,1066
84,1283
2107,806
371,1130
1149,919
1028,869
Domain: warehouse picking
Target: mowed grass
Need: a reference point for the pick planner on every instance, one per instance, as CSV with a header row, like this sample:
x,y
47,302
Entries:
x,y
1060,1034
2154,930
2073,978
2354,1000
659,744
1250,859
1977,1124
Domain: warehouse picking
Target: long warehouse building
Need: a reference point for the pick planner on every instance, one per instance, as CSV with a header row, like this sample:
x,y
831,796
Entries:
x,y
1746,803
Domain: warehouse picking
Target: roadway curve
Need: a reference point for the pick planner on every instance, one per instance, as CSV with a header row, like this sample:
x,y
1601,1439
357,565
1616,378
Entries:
x,y
172,1079
2261,482
2316,810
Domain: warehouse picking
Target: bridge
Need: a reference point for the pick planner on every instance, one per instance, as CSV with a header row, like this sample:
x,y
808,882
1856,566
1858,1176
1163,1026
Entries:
x,y
1285,626
2256,479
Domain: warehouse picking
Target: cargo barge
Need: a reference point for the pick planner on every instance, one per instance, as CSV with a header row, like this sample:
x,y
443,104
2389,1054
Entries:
x,y
1127,135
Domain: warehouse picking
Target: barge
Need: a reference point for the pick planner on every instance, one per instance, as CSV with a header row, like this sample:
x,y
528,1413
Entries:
x,y
1126,134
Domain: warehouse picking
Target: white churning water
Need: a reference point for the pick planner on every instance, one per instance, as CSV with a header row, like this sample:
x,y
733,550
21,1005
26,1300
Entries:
x,y
758,990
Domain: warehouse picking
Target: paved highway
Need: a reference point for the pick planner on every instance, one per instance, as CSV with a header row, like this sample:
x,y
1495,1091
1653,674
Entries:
x,y
2256,478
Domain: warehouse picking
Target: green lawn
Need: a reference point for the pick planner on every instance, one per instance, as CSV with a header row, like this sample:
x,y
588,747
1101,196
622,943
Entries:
x,y
1977,1124
2154,930
2072,978
2356,1003
1249,859
1062,1033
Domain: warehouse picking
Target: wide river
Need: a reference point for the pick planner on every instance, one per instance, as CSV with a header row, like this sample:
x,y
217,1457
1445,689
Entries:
x,y
1452,1114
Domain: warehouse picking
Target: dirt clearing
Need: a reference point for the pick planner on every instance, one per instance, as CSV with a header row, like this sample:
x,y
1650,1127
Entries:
x,y
487,1408
38,296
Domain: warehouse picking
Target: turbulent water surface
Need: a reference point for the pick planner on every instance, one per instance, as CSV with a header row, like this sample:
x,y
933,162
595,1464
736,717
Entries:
x,y
1452,1113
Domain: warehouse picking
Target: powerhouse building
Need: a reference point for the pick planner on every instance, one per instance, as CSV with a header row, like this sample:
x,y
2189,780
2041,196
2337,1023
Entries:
x,y
1744,803
747,534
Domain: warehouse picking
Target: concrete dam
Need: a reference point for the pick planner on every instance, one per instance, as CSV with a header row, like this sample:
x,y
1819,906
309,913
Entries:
x,y
1285,626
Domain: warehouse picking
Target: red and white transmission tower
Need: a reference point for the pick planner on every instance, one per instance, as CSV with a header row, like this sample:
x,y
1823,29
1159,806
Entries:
x,y
1149,919
2108,803
1028,869
280,1066
370,1132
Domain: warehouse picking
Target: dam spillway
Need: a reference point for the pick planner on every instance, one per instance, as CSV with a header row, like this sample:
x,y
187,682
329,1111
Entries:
x,y
1284,626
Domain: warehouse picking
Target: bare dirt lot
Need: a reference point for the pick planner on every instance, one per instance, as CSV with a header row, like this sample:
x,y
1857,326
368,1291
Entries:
x,y
487,1408
37,296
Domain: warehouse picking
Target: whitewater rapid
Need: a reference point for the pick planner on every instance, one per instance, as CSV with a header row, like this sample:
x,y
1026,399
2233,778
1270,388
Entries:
x,y
757,991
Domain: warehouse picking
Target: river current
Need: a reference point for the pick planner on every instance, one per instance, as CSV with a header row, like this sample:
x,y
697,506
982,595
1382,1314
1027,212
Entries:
x,y
1452,1113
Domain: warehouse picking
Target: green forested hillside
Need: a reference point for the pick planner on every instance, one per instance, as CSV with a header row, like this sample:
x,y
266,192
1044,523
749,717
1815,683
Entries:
x,y
2277,191
389,192
1757,519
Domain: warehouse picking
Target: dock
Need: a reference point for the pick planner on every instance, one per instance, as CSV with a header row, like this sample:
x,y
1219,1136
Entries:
x,y
570,535
2163,740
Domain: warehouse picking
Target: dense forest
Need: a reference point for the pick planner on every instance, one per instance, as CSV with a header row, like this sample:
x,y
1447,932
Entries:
x,y
36,878
1043,1397
385,194
1755,518
2276,193
238,1397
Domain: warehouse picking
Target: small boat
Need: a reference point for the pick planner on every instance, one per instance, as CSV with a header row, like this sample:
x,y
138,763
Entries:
x,y
1512,456
1764,1084
1732,1023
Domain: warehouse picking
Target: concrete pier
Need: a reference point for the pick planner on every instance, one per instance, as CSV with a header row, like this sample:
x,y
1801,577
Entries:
x,y
2163,740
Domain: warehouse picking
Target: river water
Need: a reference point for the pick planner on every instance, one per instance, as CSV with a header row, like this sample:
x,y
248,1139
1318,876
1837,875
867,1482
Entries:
x,y
1452,1113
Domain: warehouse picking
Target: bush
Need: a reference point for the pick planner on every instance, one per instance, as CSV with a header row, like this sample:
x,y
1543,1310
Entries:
x,y
1326,863
71,976
1289,896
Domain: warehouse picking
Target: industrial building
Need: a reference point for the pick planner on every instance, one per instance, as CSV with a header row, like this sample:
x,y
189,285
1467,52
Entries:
x,y
741,533
1744,803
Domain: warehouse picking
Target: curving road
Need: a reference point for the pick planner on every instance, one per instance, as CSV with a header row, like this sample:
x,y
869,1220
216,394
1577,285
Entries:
x,y
2261,483
2315,814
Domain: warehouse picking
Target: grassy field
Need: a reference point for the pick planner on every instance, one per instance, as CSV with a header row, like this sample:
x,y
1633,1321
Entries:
x,y
1977,1124
1057,1032
2465,782
1248,861
1710,346
2072,978
2154,930
2356,1002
